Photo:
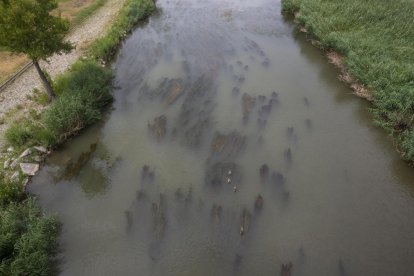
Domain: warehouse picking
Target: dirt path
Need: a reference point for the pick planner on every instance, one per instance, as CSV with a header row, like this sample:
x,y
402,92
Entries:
x,y
16,94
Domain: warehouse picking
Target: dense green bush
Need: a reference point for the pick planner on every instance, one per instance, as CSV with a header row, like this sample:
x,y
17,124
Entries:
x,y
376,38
27,238
10,192
135,11
89,81
84,91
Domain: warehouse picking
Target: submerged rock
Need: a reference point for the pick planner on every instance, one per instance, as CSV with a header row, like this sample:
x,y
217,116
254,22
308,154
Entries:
x,y
266,62
261,98
264,172
308,124
129,221
159,127
227,147
141,194
235,91
258,203
237,262
174,90
245,219
306,101
278,178
288,155
216,211
248,103
286,269
160,220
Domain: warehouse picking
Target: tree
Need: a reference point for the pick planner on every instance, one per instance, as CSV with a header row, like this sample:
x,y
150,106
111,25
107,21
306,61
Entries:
x,y
27,26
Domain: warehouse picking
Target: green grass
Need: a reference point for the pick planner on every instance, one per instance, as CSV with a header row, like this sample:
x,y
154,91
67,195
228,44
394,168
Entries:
x,y
376,38
86,12
134,12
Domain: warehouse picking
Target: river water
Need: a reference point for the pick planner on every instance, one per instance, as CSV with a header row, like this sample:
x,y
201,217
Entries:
x,y
216,103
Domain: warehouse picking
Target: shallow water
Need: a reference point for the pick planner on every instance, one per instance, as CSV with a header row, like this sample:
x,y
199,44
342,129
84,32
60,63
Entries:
x,y
339,202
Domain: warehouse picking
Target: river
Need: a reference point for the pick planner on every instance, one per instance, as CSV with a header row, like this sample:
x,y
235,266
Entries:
x,y
231,148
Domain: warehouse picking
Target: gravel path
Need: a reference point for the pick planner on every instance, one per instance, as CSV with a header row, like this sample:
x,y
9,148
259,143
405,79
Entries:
x,y
16,94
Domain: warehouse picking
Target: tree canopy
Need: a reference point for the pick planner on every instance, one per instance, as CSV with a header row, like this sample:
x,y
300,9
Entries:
x,y
26,26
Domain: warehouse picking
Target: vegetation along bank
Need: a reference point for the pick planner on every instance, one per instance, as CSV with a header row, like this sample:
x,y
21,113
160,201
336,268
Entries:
x,y
28,238
372,43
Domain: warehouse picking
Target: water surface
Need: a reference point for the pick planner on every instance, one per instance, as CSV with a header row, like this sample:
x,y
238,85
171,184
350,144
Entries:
x,y
206,94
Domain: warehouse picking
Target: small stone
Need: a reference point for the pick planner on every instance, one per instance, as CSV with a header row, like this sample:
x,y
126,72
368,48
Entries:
x,y
6,164
41,149
14,163
14,177
29,168
25,153
10,149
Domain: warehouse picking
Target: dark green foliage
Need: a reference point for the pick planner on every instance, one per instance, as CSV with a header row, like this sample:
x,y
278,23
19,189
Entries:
x,y
10,192
27,238
134,12
26,26
84,91
88,80
376,38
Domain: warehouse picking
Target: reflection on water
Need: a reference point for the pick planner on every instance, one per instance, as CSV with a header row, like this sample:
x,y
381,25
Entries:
x,y
232,149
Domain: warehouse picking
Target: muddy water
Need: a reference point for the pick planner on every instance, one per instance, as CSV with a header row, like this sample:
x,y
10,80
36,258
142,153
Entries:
x,y
151,191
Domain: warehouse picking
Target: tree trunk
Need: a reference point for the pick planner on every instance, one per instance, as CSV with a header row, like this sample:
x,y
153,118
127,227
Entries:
x,y
45,81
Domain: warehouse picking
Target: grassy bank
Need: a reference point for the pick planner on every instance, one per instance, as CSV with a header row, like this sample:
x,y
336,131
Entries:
x,y
133,13
375,38
28,238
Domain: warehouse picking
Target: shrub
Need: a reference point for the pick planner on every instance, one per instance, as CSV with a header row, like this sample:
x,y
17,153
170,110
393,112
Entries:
x,y
10,192
89,81
27,240
84,91
67,115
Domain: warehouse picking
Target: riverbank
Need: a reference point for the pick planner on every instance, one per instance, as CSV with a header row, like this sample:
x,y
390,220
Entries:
x,y
28,238
371,42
